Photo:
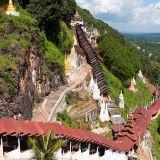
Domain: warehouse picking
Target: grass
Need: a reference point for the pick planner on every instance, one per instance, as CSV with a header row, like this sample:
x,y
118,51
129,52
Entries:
x,y
155,132
66,120
140,99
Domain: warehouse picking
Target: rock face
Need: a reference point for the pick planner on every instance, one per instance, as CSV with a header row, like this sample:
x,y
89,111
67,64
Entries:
x,y
26,80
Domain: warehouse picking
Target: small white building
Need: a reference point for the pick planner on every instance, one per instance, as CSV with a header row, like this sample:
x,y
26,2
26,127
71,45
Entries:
x,y
121,100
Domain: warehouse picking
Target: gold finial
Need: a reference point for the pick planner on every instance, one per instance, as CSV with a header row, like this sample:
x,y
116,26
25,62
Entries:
x,y
10,7
68,67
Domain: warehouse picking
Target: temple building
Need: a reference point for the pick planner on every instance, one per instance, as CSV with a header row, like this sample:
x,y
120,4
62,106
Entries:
x,y
11,9
76,20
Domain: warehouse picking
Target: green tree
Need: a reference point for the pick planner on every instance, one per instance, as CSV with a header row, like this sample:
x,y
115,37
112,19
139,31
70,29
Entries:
x,y
123,61
45,147
52,10
50,13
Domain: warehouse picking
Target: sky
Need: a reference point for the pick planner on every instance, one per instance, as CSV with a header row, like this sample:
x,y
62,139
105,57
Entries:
x,y
126,15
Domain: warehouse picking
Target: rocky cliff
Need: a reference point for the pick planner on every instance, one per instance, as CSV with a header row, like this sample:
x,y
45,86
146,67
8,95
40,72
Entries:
x,y
25,76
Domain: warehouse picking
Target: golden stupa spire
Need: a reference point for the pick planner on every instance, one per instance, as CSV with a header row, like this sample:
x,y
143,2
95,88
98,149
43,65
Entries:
x,y
10,7
11,10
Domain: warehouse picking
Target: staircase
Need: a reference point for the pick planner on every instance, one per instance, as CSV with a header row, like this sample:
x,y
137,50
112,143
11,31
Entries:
x,y
92,59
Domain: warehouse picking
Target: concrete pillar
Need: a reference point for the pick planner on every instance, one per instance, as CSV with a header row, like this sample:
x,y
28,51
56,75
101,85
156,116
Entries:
x,y
107,118
86,118
90,117
1,149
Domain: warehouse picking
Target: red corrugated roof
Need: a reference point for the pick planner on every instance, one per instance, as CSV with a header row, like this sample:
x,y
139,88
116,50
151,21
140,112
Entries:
x,y
128,137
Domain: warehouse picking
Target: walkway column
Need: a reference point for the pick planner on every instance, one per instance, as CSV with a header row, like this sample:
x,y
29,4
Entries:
x,y
70,147
86,118
19,147
1,149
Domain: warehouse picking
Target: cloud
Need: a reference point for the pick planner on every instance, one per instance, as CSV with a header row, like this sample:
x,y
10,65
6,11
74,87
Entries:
x,y
147,14
124,11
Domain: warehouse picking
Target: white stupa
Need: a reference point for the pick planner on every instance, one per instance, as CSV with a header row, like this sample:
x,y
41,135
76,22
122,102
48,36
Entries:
x,y
144,80
91,84
121,100
104,116
140,75
134,81
96,92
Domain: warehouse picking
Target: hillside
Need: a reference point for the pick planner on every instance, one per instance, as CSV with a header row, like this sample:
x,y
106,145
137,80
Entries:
x,y
36,62
121,62
119,55
29,63
149,51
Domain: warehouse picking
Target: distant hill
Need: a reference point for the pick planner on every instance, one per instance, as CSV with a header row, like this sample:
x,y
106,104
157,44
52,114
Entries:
x,y
149,44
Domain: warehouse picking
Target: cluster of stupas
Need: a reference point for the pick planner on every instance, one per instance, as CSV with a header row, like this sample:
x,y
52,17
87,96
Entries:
x,y
104,115
11,9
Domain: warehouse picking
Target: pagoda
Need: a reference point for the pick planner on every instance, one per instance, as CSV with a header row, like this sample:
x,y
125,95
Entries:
x,y
76,19
132,87
11,9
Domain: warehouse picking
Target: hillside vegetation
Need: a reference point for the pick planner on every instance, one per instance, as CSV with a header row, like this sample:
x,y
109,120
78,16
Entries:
x,y
149,50
26,50
120,57
132,101
155,131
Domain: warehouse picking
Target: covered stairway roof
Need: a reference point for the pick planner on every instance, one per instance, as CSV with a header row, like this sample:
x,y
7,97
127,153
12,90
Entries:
x,y
141,117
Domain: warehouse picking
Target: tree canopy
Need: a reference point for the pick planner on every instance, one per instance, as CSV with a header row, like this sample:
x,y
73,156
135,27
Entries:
x,y
119,55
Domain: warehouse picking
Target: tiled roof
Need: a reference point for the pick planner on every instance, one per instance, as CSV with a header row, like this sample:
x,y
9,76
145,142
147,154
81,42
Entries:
x,y
128,137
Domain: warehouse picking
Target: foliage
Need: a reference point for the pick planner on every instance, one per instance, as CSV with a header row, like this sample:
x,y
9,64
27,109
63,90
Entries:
x,y
154,129
118,54
122,61
52,11
49,15
53,56
71,97
66,120
16,43
6,62
44,146
65,38
149,51
132,101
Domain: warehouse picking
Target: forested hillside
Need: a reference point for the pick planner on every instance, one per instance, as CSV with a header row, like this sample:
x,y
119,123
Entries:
x,y
119,55
149,49
44,31
121,62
